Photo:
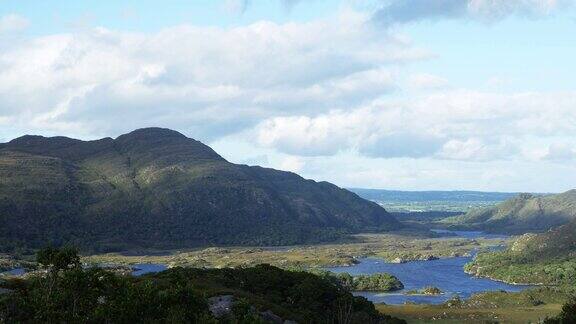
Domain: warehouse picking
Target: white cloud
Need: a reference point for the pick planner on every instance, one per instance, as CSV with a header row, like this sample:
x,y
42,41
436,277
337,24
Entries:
x,y
560,152
476,149
458,125
423,81
292,164
202,80
13,22
240,6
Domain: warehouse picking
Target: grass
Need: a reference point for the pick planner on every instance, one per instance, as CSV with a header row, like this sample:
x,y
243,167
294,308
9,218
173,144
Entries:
x,y
386,246
528,306
443,314
8,263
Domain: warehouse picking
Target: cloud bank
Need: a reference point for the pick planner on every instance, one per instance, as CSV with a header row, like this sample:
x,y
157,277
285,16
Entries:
x,y
404,11
451,125
203,80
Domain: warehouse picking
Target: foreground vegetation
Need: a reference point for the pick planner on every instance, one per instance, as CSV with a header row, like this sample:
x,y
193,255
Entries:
x,y
391,247
529,306
548,258
68,293
8,262
416,314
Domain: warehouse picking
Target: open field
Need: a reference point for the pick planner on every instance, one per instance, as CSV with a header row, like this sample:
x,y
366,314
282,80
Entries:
x,y
391,247
443,314
528,306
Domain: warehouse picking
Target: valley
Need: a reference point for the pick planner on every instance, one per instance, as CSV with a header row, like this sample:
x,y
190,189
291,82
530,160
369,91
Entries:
x,y
390,247
437,256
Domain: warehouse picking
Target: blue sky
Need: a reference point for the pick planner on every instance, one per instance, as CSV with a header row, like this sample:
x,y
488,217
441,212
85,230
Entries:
x,y
152,15
397,94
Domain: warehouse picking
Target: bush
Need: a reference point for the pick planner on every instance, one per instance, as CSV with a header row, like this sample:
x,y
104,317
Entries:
x,y
71,294
567,316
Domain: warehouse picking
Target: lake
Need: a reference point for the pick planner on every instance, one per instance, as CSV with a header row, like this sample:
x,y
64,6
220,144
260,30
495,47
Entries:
x,y
14,272
142,269
138,269
446,274
470,234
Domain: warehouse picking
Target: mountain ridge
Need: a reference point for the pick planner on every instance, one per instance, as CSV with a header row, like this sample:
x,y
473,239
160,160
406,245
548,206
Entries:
x,y
543,258
521,214
155,187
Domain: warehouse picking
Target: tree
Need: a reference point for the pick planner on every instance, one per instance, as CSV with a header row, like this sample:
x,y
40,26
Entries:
x,y
58,259
567,316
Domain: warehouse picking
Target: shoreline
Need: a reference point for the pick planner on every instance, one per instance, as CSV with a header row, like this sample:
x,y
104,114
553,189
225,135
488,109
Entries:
x,y
504,281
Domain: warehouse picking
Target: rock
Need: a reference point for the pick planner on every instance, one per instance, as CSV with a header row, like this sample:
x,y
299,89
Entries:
x,y
215,250
398,260
269,317
5,291
221,305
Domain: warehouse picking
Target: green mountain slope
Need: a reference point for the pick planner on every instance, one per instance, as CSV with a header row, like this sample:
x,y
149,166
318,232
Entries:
x,y
157,188
546,258
521,214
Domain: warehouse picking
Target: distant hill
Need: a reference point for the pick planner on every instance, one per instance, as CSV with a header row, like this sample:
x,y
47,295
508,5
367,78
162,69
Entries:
x,y
522,214
545,258
432,201
397,195
157,188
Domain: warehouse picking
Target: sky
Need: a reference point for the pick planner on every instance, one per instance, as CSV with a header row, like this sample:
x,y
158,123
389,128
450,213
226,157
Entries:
x,y
391,94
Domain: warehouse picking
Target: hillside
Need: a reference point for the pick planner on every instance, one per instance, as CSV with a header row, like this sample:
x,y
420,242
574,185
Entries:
x,y
521,214
548,258
67,292
157,188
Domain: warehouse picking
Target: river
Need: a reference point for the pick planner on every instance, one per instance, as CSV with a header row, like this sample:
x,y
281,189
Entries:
x,y
446,274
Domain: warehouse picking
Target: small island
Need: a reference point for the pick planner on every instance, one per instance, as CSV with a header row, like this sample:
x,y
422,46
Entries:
x,y
428,291
382,282
379,282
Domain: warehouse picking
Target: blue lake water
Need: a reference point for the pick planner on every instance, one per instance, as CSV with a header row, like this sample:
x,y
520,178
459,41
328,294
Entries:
x,y
139,269
470,234
446,274
142,269
15,272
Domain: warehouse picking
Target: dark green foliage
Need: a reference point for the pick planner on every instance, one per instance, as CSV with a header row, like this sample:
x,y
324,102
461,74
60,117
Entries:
x,y
548,258
58,259
71,294
300,296
375,282
77,295
99,296
155,188
567,316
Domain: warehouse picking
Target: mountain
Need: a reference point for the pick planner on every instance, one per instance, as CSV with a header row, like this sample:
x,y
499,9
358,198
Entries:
x,y
156,188
545,258
521,214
